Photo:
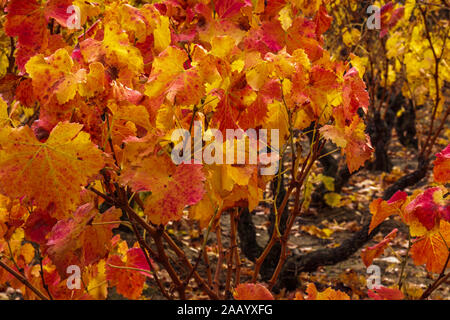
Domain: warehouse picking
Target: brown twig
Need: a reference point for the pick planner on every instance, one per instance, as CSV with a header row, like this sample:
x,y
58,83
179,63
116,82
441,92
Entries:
x,y
232,252
208,268
233,220
219,264
44,284
274,238
22,279
167,265
180,253
11,59
317,147
437,60
147,250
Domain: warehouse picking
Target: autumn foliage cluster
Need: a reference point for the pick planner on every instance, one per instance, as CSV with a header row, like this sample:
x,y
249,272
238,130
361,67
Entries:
x,y
87,115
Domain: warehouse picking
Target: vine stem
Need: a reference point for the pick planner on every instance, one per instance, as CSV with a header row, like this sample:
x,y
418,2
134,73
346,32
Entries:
x,y
157,236
11,59
22,279
437,59
259,261
165,261
284,240
202,250
180,253
294,213
147,250
208,268
405,262
232,253
237,257
295,184
219,260
44,284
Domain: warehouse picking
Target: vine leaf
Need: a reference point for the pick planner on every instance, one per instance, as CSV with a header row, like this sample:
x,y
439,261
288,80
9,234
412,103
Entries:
x,y
122,271
50,172
441,169
252,291
354,142
83,239
53,76
381,209
27,20
429,208
327,294
173,187
384,293
431,249
370,253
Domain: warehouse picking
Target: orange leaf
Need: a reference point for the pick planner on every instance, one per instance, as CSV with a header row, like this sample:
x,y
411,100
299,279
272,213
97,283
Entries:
x,y
323,20
431,249
370,253
173,187
327,294
121,274
83,239
63,164
441,170
381,209
252,291
355,143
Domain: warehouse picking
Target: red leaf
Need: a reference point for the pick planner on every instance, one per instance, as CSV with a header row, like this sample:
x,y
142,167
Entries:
x,y
389,17
38,225
384,293
322,20
370,253
75,241
429,207
355,95
228,8
441,170
252,291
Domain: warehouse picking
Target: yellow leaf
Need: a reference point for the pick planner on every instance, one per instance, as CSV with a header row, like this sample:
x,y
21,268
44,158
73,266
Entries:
x,y
324,233
359,63
222,46
351,37
333,199
285,17
257,76
162,34
4,117
278,119
119,51
327,181
97,284
52,75
95,81
409,7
